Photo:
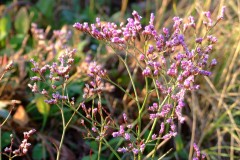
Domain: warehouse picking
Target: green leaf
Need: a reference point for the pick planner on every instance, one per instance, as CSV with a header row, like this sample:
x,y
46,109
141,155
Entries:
x,y
5,26
16,40
180,147
42,106
178,142
91,157
82,44
22,21
94,145
75,88
114,140
46,7
39,152
5,139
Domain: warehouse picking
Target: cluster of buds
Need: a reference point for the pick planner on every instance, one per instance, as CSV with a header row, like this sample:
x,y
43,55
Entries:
x,y
96,85
134,148
23,147
57,41
164,111
171,133
198,155
132,145
92,114
58,72
209,22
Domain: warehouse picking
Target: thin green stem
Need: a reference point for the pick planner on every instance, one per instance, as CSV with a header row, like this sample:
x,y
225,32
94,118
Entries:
x,y
146,97
131,79
74,113
63,123
80,114
136,96
63,135
9,114
140,115
155,120
102,124
99,149
130,76
122,89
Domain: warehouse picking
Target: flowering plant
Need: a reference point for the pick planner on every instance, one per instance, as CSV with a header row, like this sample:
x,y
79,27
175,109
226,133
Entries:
x,y
168,65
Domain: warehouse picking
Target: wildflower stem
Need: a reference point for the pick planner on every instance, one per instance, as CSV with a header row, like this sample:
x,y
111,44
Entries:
x,y
157,147
78,113
165,154
63,123
133,84
131,79
147,92
6,118
110,81
136,96
160,106
74,112
113,151
102,125
155,120
99,149
140,115
63,134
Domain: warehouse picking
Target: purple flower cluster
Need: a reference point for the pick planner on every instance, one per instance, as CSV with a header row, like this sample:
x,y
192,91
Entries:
x,y
172,132
198,155
135,149
111,32
121,133
96,73
96,85
164,111
57,72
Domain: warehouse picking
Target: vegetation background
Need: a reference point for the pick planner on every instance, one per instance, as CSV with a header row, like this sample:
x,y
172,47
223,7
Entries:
x,y
213,112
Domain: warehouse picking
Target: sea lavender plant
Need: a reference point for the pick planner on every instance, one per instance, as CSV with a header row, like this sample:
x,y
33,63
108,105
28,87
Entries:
x,y
56,78
169,66
168,61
